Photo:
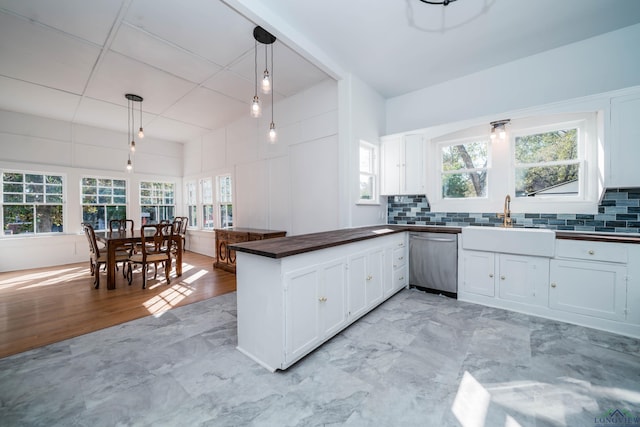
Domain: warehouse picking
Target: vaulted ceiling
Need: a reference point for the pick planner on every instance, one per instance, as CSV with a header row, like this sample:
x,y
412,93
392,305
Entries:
x,y
193,60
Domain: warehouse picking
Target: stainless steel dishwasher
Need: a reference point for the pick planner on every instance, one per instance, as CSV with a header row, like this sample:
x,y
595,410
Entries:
x,y
433,262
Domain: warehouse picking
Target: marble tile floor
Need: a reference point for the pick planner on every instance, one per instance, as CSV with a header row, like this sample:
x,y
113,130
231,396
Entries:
x,y
417,360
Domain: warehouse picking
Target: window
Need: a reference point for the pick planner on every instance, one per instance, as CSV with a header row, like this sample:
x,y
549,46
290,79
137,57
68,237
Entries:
x,y
157,202
368,192
32,203
547,163
464,169
225,203
103,199
192,203
206,189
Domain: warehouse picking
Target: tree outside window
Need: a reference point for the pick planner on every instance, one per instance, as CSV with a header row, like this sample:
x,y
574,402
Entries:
x,y
464,169
31,203
547,164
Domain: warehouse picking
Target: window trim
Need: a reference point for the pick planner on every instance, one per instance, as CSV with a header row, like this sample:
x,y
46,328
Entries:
x,y
63,204
375,200
487,168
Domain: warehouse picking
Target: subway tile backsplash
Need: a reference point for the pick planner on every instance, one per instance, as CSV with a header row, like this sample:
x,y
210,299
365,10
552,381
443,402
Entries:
x,y
619,212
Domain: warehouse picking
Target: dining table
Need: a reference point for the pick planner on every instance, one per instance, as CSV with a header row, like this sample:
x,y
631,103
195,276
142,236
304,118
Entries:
x,y
116,239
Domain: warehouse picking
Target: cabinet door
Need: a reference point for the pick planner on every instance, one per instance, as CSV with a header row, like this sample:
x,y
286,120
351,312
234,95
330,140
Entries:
x,y
594,289
523,279
624,149
302,322
413,165
357,285
390,167
333,300
479,272
375,276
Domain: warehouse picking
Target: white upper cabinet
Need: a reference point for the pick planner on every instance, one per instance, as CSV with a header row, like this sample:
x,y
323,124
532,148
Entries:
x,y
624,145
403,165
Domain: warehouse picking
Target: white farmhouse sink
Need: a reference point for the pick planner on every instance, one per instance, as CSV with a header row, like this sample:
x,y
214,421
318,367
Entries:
x,y
522,241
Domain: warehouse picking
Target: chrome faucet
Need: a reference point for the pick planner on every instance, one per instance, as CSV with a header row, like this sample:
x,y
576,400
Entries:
x,y
506,214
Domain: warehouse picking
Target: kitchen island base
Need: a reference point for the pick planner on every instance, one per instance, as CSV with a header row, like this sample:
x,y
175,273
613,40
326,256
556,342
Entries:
x,y
288,307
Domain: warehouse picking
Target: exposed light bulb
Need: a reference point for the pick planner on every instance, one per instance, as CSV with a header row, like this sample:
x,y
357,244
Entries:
x,y
132,145
256,111
141,133
129,165
503,132
273,136
266,82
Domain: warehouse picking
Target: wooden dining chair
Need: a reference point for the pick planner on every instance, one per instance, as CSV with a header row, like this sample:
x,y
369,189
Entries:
x,y
98,258
157,240
123,225
180,224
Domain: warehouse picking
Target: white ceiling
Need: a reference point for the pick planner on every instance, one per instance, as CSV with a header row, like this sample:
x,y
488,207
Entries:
x,y
193,60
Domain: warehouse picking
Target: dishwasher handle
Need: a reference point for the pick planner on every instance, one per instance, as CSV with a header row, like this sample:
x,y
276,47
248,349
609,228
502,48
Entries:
x,y
433,239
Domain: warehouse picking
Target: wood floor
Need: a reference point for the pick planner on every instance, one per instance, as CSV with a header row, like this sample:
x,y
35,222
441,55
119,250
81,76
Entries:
x,y
47,305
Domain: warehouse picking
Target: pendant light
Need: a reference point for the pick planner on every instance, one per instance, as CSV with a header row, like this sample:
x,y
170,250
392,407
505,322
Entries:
x,y
256,111
273,136
131,142
264,37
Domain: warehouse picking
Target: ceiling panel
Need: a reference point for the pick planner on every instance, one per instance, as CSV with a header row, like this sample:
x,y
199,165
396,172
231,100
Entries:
x,y
232,85
118,75
205,27
28,98
36,54
143,47
206,108
89,20
174,130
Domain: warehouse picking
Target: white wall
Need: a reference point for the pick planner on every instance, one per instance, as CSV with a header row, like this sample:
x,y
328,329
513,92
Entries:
x,y
600,64
39,144
362,117
291,185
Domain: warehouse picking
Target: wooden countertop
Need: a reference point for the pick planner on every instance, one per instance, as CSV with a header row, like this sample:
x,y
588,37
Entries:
x,y
281,247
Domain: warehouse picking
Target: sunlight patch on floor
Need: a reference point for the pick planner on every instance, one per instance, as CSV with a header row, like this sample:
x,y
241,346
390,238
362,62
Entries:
x,y
50,277
471,404
167,299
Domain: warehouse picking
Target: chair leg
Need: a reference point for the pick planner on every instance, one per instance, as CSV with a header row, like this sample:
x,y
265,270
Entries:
x,y
129,273
167,271
144,276
97,277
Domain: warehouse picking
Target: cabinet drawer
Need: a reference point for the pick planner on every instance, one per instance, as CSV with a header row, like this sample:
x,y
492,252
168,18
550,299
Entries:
x,y
592,251
400,277
399,257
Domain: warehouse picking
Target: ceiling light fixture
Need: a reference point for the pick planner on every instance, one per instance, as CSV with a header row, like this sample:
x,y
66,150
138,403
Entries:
x,y
266,38
131,98
499,128
443,2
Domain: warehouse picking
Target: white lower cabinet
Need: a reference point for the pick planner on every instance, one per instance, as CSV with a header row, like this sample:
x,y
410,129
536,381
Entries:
x,y
366,274
287,307
590,278
478,273
316,306
505,276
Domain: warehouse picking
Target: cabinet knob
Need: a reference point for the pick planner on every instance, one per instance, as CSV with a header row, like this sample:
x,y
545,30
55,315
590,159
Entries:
x,y
491,275
401,258
553,285
502,277
322,299
400,278
369,277
591,252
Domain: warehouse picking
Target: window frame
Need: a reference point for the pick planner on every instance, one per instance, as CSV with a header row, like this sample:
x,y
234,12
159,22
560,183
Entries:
x,y
106,205
34,204
163,211
487,168
221,201
374,174
207,205
191,201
